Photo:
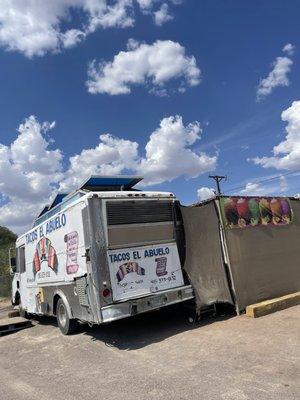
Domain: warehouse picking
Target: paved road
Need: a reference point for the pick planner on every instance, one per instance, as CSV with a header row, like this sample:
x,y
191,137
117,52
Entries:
x,y
156,356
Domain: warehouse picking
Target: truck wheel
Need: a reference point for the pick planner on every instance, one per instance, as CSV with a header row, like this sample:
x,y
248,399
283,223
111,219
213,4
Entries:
x,y
65,323
17,300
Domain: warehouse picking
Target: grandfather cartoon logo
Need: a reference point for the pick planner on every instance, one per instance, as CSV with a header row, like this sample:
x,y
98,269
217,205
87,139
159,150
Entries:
x,y
44,252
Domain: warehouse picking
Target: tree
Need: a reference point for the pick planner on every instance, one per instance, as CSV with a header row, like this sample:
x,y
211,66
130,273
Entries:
x,y
7,240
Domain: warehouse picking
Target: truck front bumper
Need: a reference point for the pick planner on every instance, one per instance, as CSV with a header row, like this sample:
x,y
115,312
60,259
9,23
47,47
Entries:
x,y
148,303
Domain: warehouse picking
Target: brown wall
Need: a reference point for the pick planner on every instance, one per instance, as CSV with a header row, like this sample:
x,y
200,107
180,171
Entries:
x,y
204,261
265,260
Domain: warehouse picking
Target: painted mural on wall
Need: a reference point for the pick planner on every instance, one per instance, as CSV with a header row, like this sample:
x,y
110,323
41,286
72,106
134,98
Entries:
x,y
243,212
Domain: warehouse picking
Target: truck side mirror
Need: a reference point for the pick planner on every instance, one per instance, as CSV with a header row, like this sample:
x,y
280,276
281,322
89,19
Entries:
x,y
12,261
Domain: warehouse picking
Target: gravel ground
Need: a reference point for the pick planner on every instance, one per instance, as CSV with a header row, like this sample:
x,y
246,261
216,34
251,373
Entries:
x,y
156,356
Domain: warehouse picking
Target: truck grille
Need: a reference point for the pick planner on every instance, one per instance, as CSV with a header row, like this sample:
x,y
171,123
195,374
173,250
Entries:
x,y
138,212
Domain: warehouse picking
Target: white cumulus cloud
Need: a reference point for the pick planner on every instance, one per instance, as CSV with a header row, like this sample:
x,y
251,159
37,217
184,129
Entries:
x,y
205,193
110,157
31,170
278,75
162,15
159,9
169,154
35,27
286,155
153,65
271,185
289,49
146,4
253,189
18,215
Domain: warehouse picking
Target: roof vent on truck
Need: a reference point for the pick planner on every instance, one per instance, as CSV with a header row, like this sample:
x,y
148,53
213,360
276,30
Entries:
x,y
95,183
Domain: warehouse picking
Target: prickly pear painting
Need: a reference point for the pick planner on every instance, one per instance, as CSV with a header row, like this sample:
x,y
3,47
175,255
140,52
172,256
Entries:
x,y
44,252
244,212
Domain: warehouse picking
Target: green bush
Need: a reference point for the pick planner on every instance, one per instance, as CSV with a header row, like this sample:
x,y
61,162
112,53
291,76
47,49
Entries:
x,y
5,286
7,240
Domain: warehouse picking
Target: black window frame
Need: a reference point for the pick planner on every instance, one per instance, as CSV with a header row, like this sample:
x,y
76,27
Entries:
x,y
21,260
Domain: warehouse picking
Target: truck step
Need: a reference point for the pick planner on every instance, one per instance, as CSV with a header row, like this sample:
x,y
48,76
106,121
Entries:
x,y
10,325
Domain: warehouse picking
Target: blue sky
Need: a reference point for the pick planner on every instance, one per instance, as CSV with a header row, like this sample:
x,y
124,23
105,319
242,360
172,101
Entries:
x,y
234,44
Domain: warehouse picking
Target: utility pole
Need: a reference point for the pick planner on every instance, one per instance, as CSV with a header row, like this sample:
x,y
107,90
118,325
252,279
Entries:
x,y
218,179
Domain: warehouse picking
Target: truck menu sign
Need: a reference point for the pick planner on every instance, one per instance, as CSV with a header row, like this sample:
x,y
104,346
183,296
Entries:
x,y
144,270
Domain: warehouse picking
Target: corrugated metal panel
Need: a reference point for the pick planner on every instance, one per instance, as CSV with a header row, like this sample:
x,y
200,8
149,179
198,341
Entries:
x,y
138,212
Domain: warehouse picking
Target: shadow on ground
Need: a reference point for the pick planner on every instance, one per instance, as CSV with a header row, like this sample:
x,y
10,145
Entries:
x,y
144,329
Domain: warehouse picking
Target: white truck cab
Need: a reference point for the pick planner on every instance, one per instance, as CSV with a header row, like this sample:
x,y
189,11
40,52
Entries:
x,y
104,252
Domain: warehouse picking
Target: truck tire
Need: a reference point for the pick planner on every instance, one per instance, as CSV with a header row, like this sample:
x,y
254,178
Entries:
x,y
64,322
16,301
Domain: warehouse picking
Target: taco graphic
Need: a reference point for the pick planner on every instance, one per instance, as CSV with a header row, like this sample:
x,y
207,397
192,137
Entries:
x,y
127,268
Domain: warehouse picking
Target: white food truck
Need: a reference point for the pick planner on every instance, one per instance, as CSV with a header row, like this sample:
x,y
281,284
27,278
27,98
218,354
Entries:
x,y
104,252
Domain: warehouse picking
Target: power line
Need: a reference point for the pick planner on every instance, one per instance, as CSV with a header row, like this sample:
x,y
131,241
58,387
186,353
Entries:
x,y
218,179
265,180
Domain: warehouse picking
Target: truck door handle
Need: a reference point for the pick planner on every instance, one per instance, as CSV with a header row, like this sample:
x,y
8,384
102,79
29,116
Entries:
x,y
87,255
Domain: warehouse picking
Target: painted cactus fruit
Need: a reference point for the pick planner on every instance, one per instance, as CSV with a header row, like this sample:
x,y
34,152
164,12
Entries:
x,y
265,211
231,212
286,210
243,211
254,210
276,210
